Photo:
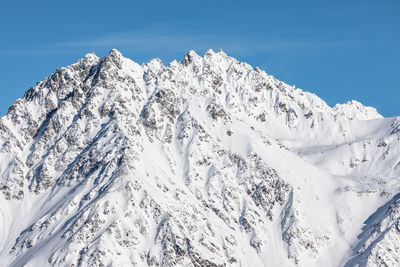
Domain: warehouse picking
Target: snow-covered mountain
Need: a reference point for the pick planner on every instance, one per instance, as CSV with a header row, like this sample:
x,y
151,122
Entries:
x,y
204,162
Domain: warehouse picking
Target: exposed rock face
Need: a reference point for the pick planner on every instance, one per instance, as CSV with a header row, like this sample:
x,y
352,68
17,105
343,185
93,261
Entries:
x,y
379,243
204,162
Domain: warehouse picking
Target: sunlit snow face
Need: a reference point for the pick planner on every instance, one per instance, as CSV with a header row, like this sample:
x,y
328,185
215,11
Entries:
x,y
206,161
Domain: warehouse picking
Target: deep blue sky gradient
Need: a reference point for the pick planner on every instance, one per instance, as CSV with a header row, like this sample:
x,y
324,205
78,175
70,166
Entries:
x,y
340,50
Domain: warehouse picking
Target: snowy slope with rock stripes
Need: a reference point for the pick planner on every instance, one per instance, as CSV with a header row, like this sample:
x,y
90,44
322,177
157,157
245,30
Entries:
x,y
204,162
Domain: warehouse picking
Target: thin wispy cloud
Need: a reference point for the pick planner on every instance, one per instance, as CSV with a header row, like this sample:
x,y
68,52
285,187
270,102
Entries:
x,y
149,40
162,40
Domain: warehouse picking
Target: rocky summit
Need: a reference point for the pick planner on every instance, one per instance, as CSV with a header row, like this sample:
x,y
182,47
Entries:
x,y
204,162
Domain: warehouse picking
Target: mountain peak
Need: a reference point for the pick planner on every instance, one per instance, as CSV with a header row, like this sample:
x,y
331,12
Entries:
x,y
114,53
355,110
191,57
91,57
204,162
209,52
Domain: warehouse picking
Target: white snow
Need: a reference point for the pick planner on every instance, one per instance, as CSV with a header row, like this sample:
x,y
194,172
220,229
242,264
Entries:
x,y
205,161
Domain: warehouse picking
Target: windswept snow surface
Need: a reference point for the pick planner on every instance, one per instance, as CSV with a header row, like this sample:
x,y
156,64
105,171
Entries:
x,y
204,162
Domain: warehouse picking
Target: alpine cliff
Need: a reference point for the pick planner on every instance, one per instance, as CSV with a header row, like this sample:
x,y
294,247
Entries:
x,y
204,162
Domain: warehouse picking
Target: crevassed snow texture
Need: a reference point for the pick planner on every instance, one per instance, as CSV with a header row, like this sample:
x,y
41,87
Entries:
x,y
204,162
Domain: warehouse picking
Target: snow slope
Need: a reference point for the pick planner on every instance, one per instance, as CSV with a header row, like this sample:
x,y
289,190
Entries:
x,y
204,162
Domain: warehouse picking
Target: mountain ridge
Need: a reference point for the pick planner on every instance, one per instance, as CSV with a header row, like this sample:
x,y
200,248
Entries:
x,y
126,164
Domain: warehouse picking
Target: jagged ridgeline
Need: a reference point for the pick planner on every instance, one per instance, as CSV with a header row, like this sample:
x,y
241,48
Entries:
x,y
204,162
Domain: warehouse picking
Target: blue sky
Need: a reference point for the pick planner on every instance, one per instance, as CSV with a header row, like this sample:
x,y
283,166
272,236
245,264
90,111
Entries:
x,y
340,50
